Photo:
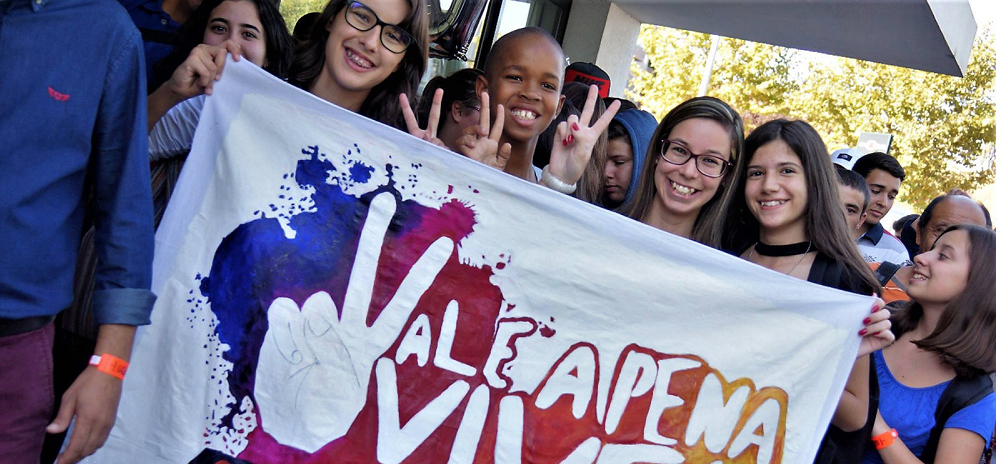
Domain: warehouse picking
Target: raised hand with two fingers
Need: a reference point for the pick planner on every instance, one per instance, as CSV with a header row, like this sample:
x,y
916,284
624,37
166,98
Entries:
x,y
575,140
430,133
481,142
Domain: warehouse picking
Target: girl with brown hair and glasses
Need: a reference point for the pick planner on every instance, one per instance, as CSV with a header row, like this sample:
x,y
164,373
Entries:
x,y
682,185
946,344
362,55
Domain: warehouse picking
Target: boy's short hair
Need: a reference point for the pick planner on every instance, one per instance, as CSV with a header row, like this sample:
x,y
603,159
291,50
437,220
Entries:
x,y
851,179
617,131
500,47
879,160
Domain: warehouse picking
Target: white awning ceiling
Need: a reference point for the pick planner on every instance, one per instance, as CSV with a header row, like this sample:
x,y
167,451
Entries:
x,y
930,35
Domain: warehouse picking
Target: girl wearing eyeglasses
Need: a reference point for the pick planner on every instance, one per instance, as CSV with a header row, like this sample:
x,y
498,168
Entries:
x,y
362,55
681,188
786,216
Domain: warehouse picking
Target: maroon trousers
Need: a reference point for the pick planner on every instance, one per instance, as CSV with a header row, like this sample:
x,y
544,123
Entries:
x,y
26,394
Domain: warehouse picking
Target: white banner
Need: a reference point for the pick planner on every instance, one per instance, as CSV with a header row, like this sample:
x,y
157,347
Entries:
x,y
334,290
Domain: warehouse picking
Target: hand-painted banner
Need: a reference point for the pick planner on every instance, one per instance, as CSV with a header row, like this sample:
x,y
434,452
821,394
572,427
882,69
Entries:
x,y
333,290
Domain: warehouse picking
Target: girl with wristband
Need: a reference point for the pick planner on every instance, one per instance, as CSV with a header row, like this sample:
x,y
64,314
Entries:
x,y
946,335
786,217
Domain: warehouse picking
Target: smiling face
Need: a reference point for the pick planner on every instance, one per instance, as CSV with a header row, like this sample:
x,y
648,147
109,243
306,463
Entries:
x,y
357,61
682,190
618,169
884,187
941,274
527,79
776,193
238,20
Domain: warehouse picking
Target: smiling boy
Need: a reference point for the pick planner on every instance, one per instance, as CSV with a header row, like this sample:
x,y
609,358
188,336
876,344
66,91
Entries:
x,y
523,76
524,73
884,176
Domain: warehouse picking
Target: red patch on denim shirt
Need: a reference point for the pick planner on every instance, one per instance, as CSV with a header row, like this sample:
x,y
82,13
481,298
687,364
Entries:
x,y
58,96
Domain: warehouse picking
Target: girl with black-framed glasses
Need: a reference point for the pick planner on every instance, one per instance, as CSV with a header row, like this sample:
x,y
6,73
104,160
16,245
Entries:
x,y
362,55
682,184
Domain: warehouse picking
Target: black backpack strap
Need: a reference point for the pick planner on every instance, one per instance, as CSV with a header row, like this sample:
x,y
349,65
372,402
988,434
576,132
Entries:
x,y
961,393
885,272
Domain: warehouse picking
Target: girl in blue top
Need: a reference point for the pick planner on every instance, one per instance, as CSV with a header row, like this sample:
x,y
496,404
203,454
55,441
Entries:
x,y
948,331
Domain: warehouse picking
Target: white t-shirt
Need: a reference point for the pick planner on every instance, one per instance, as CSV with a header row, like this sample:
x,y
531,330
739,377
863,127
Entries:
x,y
877,246
174,133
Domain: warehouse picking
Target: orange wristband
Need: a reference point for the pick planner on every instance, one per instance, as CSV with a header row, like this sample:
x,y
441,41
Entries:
x,y
110,365
884,440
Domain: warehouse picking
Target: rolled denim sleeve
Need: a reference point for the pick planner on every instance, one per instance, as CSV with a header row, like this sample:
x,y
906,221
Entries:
x,y
124,230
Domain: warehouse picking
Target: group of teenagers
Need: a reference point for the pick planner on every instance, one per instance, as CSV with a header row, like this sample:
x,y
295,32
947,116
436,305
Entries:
x,y
772,197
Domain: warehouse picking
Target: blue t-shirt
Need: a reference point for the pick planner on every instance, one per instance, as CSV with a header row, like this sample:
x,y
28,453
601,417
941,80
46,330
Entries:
x,y
911,412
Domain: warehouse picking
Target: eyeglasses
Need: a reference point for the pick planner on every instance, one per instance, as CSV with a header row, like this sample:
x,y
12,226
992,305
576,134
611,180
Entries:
x,y
362,18
677,153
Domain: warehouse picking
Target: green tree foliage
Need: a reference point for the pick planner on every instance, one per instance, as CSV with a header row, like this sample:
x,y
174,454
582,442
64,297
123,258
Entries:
x,y
292,10
943,126
753,78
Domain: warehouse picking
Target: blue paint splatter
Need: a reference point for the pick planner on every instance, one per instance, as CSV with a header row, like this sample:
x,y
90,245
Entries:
x,y
360,172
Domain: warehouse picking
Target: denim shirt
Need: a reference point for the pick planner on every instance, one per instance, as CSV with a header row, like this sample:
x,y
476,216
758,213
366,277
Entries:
x,y
158,30
73,115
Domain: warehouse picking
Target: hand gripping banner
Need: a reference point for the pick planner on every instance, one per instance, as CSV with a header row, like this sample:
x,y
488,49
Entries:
x,y
332,290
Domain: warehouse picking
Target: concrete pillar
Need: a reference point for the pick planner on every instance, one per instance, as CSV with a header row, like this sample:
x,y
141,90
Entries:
x,y
602,33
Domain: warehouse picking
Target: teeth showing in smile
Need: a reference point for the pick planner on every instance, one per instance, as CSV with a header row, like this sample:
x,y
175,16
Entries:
x,y
772,203
917,275
682,189
356,59
524,114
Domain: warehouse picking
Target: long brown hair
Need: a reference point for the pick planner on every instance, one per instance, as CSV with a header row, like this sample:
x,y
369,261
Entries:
x,y
824,220
382,102
708,228
965,336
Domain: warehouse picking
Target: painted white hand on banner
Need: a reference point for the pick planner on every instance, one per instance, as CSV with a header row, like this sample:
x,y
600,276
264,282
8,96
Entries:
x,y
481,142
575,139
314,365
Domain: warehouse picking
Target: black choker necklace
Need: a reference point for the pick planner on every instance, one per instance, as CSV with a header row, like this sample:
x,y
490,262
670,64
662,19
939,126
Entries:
x,y
783,250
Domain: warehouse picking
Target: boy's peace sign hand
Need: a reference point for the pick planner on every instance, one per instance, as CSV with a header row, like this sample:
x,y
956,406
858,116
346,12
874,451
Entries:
x,y
429,133
575,140
480,142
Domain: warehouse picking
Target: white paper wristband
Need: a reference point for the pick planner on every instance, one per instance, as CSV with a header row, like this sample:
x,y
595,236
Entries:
x,y
556,184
